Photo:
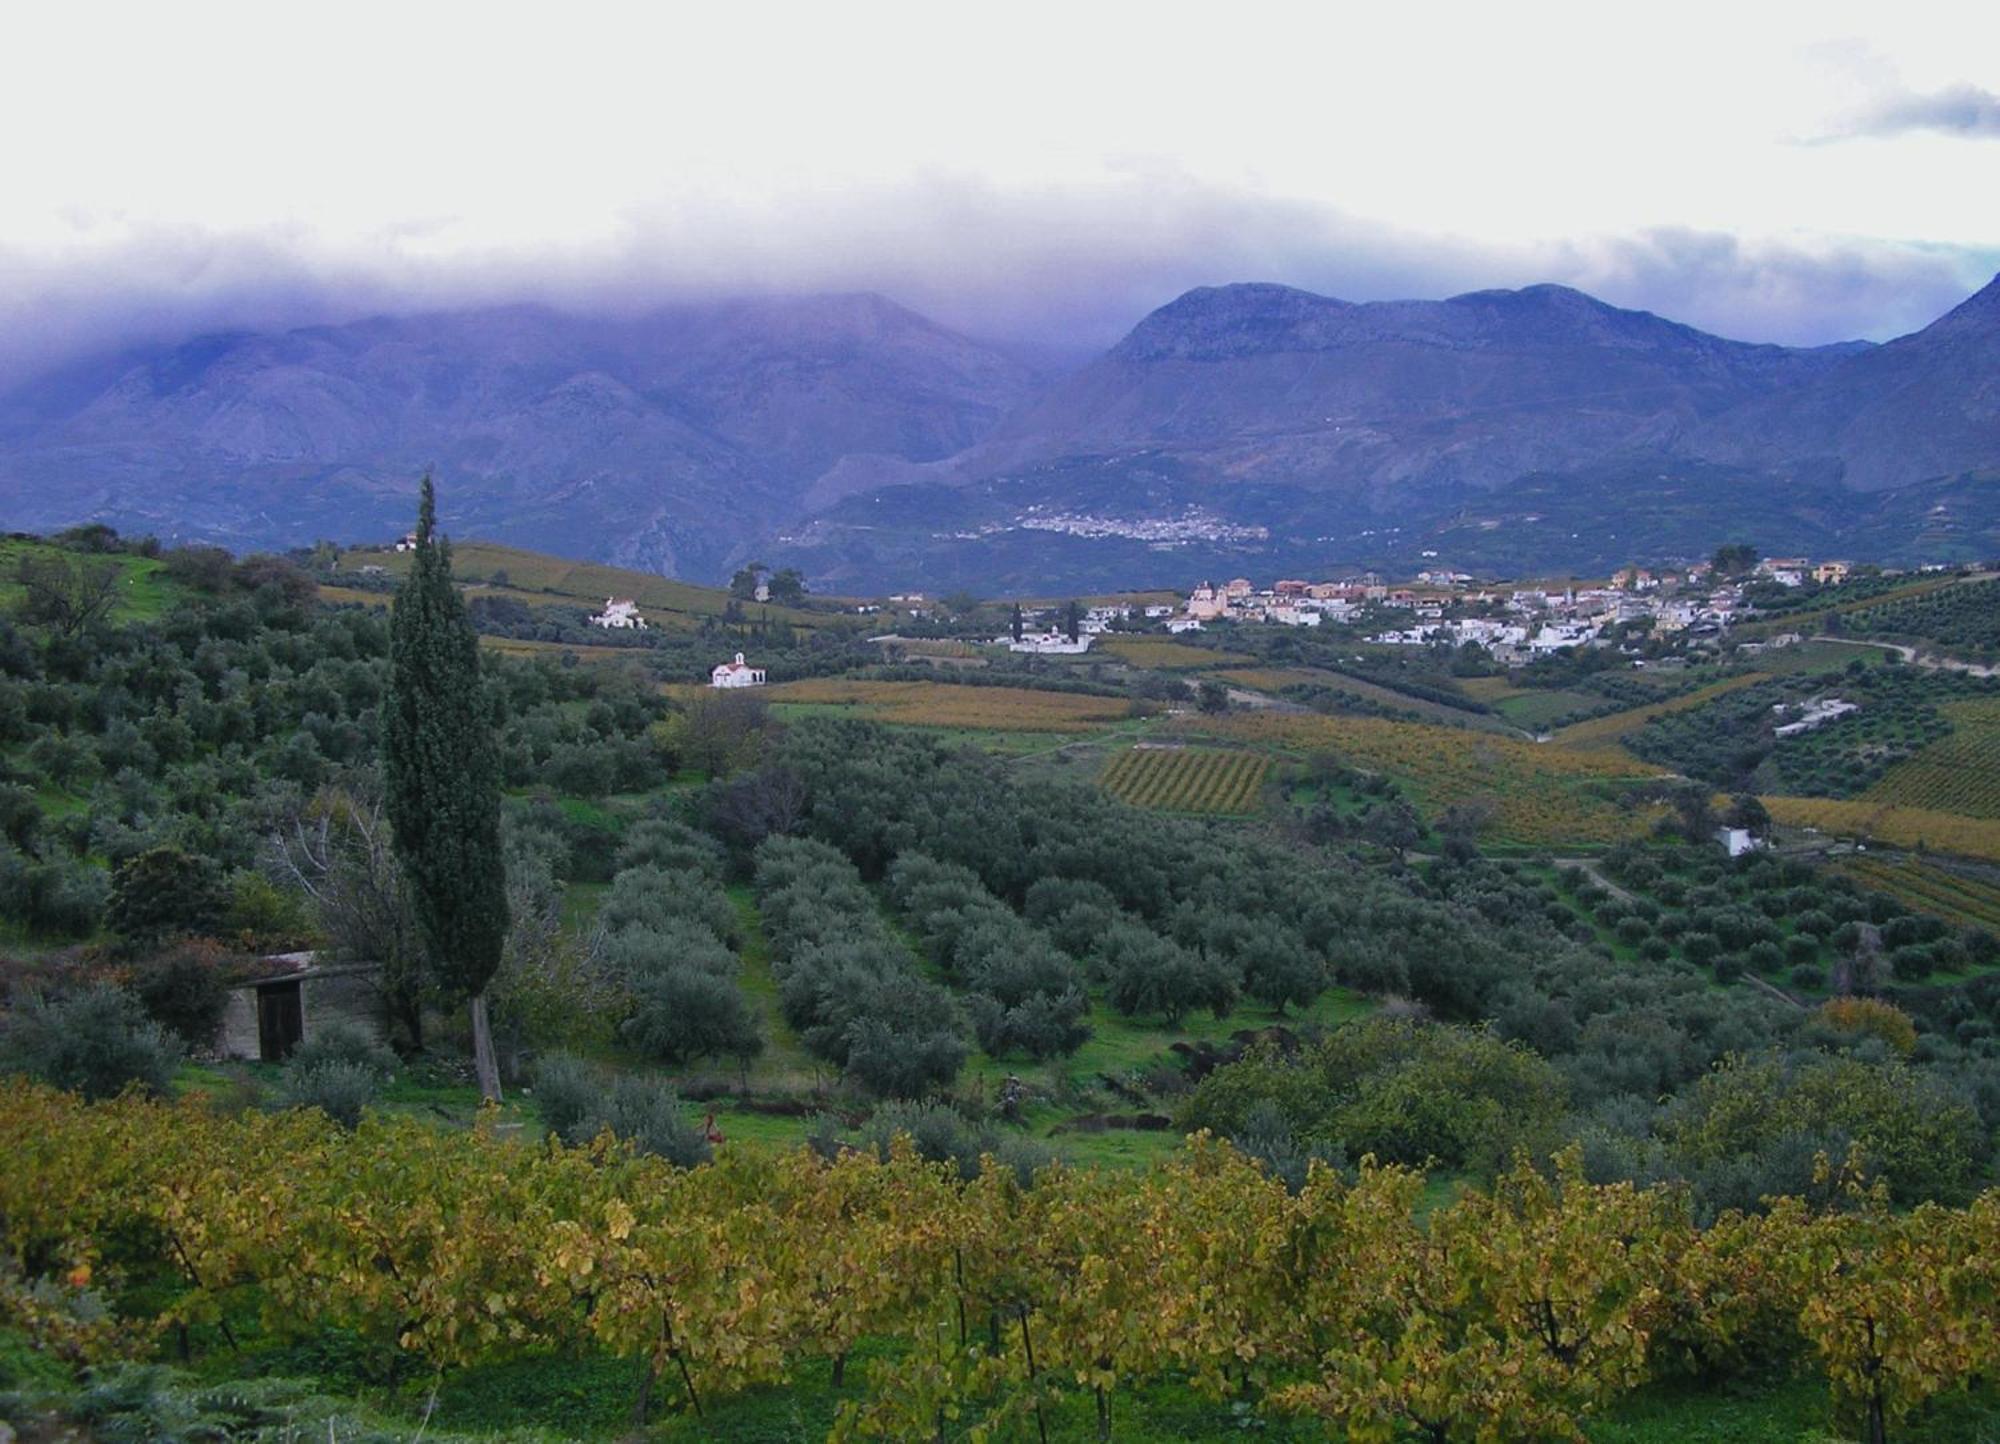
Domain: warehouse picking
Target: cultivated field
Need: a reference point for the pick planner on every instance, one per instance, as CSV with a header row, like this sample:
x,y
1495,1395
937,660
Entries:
x,y
1187,779
948,704
1959,773
1929,888
1535,795
1158,654
1600,730
1900,826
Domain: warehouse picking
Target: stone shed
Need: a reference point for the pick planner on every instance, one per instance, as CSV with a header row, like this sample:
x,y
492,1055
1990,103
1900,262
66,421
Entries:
x,y
267,1018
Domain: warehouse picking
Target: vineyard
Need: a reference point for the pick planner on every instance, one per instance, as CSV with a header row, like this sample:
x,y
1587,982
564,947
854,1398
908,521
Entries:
x,y
1915,827
1537,795
1957,773
1959,619
1187,779
947,704
994,1308
1928,888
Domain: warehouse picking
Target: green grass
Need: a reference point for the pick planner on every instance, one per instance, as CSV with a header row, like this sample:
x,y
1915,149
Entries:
x,y
1536,710
144,593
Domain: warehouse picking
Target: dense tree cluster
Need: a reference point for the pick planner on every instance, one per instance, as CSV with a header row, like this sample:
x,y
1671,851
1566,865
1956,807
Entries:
x,y
1025,994
673,940
845,981
1732,741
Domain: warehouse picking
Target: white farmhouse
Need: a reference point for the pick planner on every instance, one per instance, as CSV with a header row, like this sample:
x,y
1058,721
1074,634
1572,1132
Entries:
x,y
621,615
736,674
1737,840
1051,643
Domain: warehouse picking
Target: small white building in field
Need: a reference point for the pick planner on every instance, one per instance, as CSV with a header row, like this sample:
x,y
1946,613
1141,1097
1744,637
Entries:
x,y
1050,643
738,673
623,615
1738,840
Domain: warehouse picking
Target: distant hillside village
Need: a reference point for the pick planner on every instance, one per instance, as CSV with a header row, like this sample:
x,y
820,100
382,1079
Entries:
x,y
1517,624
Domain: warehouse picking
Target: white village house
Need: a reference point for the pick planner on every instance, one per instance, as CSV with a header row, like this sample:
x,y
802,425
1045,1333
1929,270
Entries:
x,y
736,674
1051,642
619,614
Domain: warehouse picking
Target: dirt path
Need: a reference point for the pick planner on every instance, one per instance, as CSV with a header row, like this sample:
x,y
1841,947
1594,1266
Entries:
x,y
1589,869
1910,654
1779,993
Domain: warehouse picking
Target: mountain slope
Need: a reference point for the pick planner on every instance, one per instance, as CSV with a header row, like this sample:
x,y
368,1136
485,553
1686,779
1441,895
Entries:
x,y
1920,407
1376,399
1509,429
666,442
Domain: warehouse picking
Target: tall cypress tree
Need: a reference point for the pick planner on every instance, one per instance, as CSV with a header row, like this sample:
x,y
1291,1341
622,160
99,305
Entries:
x,y
441,768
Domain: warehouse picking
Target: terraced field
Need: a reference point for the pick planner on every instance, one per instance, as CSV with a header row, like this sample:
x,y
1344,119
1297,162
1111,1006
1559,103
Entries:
x,y
1534,795
1958,773
948,704
1977,837
1187,779
1929,888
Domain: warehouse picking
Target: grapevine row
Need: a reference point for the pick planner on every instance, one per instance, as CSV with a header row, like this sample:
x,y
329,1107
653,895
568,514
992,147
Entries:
x,y
1507,1314
1187,780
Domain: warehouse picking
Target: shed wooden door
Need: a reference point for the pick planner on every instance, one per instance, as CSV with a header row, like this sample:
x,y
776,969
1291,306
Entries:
x,y
281,1021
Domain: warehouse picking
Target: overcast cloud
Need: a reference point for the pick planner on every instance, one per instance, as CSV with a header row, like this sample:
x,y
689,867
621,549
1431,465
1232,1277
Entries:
x,y
1044,175
1958,110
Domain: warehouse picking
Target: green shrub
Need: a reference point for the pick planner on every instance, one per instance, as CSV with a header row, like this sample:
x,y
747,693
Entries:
x,y
338,1089
682,1012
566,1093
163,893
97,1041
578,1102
344,1041
185,991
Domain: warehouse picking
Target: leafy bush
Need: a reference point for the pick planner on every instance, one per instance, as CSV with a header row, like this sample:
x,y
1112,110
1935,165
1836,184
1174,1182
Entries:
x,y
344,1041
1405,1091
338,1089
578,1102
935,1130
647,1113
682,1012
186,992
162,893
566,1092
97,1041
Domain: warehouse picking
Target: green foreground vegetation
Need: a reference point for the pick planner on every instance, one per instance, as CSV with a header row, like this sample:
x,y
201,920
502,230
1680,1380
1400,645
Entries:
x,y
1318,898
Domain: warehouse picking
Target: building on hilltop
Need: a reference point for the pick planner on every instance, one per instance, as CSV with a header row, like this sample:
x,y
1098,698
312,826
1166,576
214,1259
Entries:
x,y
620,614
738,673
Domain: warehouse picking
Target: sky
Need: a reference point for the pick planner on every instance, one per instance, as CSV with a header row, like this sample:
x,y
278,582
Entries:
x,y
1039,173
